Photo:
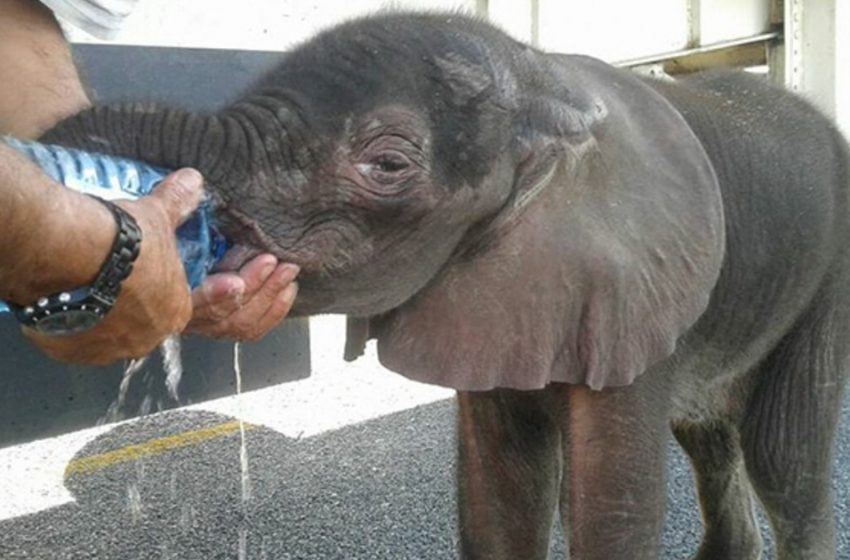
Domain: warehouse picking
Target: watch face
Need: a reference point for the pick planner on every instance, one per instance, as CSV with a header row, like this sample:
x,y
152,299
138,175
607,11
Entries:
x,y
68,322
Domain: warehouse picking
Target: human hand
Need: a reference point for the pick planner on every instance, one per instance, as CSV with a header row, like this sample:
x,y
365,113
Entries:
x,y
155,300
245,305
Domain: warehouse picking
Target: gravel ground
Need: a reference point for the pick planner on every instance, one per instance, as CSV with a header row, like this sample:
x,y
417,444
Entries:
x,y
377,490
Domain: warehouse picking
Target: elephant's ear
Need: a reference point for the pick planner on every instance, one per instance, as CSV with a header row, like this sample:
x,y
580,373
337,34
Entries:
x,y
604,258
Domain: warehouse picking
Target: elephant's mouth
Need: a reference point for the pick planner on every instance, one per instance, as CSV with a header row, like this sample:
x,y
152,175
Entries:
x,y
249,240
235,257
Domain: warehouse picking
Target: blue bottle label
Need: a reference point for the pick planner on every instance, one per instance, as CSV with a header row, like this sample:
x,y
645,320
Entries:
x,y
199,241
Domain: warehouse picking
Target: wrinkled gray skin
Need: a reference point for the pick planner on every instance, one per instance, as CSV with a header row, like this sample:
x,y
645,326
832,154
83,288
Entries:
x,y
588,257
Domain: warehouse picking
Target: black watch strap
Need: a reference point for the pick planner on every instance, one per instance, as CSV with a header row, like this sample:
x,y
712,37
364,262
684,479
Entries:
x,y
99,297
119,263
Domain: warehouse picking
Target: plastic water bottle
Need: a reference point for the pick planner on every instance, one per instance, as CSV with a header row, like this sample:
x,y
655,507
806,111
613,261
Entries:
x,y
199,242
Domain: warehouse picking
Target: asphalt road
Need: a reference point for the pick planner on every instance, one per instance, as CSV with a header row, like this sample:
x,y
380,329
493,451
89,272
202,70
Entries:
x,y
376,490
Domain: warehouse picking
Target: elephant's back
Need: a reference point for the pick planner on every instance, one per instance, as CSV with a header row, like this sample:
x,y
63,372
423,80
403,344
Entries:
x,y
783,174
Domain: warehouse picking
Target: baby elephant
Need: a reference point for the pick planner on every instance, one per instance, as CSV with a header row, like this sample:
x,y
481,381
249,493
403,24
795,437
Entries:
x,y
588,257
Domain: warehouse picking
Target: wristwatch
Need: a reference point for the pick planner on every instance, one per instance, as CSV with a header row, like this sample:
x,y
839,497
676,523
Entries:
x,y
75,311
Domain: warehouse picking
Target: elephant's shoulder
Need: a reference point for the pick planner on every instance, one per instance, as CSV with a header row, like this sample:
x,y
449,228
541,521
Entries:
x,y
741,101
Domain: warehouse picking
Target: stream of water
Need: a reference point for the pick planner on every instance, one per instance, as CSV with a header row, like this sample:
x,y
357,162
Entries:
x,y
173,365
113,413
172,362
243,456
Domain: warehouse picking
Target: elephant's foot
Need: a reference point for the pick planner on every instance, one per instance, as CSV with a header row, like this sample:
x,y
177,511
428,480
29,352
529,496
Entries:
x,y
807,547
748,547
733,533
731,530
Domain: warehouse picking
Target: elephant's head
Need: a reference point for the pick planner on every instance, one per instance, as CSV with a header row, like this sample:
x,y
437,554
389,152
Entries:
x,y
499,215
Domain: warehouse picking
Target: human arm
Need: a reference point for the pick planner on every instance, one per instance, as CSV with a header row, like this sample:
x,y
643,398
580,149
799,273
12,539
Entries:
x,y
54,239
44,87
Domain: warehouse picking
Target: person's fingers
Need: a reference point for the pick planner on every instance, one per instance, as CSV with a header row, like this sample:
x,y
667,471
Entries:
x,y
217,297
259,312
279,309
180,193
245,321
223,293
282,277
255,273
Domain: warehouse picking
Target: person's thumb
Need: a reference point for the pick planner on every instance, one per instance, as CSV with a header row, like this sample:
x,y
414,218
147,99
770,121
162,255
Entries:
x,y
180,193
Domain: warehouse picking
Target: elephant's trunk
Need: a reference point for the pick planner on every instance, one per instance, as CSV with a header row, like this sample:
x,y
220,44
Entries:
x,y
248,153
170,138
255,138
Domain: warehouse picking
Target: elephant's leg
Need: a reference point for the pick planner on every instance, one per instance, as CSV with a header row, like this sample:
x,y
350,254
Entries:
x,y
725,496
615,464
787,433
508,473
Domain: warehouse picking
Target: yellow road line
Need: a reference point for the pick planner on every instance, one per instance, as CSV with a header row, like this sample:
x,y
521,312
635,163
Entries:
x,y
149,448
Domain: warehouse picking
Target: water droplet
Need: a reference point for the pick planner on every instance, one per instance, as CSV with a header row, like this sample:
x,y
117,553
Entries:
x,y
243,448
243,543
134,502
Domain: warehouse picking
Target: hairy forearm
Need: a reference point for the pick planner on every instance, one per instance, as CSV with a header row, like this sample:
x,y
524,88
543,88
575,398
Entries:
x,y
52,238
40,83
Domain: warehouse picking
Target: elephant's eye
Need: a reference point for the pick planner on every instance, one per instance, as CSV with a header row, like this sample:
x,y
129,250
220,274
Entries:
x,y
390,162
386,166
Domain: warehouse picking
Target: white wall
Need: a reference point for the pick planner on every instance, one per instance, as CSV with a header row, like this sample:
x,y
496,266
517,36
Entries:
x,y
842,67
613,29
609,29
272,25
721,20
513,16
817,55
